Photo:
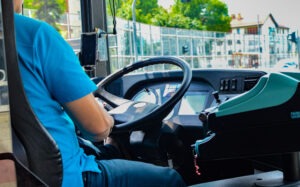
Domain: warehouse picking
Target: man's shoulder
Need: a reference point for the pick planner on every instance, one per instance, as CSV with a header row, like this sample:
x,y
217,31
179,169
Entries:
x,y
28,29
30,25
26,22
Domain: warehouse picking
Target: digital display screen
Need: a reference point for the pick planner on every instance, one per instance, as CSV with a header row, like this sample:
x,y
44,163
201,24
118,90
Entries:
x,y
193,103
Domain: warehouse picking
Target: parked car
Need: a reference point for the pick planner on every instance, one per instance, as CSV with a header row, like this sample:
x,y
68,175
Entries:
x,y
287,64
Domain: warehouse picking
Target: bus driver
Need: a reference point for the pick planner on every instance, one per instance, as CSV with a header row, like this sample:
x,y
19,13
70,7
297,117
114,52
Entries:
x,y
60,93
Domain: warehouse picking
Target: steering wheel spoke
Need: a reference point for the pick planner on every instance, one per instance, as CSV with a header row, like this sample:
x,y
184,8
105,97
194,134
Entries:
x,y
131,111
111,99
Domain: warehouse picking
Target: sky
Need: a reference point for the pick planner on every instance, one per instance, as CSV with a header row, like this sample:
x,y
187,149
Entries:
x,y
285,12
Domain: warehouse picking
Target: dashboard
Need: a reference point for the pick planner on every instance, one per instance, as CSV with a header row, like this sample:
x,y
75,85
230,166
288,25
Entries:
x,y
209,87
182,127
170,143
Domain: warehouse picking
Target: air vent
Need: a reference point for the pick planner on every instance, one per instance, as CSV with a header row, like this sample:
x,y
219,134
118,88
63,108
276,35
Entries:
x,y
250,82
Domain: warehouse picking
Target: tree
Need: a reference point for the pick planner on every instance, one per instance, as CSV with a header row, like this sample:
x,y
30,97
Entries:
x,y
164,18
144,10
161,18
48,10
213,14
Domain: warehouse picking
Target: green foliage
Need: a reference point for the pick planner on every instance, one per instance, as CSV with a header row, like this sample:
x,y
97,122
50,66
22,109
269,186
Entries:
x,y
161,18
29,4
144,10
48,10
216,16
110,4
211,15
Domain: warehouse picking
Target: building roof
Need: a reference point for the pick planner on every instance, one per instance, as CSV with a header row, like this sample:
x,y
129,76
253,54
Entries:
x,y
237,21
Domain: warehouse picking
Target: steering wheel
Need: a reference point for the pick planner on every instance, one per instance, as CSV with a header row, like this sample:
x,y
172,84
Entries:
x,y
136,115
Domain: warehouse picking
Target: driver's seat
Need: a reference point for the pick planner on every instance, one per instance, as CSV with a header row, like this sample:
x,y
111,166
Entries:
x,y
33,148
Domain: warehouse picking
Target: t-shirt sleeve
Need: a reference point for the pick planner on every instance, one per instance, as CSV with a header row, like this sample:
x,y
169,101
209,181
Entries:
x,y
63,74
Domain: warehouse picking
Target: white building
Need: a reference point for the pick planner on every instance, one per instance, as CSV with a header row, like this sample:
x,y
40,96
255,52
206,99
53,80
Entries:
x,y
258,41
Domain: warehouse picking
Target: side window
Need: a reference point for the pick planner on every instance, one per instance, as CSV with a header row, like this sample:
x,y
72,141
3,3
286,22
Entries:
x,y
3,81
5,138
7,166
67,23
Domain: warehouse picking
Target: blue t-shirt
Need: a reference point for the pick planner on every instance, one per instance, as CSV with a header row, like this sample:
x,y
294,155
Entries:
x,y
52,75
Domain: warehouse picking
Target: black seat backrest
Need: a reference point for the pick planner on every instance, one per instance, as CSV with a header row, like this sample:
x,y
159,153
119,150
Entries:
x,y
43,155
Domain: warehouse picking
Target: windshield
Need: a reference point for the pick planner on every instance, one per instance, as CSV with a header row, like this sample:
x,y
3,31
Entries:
x,y
227,108
207,34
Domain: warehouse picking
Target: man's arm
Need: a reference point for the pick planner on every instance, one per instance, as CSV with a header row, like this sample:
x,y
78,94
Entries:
x,y
92,120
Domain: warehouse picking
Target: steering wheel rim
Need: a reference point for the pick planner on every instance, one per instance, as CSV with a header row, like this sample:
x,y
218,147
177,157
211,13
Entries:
x,y
154,112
